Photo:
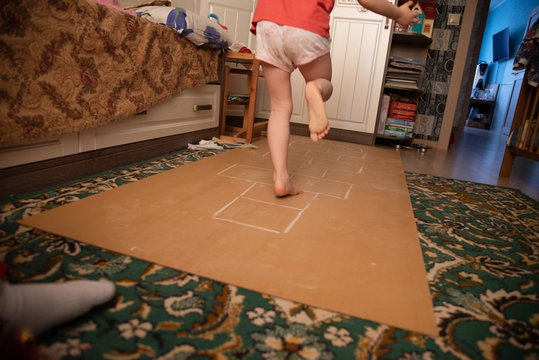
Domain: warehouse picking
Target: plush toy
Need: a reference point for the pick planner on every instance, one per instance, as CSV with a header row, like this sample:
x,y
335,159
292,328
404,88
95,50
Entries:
x,y
216,18
198,29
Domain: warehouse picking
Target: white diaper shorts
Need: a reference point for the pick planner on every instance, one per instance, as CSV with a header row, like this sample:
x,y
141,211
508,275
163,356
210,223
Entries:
x,y
288,47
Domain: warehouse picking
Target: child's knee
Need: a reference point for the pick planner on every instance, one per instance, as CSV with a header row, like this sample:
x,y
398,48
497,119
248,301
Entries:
x,y
283,107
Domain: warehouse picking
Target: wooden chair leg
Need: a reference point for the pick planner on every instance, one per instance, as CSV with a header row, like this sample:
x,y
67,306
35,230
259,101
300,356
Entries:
x,y
252,82
226,82
507,164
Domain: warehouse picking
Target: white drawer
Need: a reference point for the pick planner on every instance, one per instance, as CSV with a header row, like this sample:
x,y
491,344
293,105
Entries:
x,y
192,110
40,150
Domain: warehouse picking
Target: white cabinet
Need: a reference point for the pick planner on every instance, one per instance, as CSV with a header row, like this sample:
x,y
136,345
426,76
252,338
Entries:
x,y
360,44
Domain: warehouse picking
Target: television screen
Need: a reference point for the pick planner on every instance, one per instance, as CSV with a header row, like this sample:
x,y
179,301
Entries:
x,y
500,45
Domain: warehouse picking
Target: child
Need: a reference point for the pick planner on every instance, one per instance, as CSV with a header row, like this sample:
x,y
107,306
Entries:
x,y
294,34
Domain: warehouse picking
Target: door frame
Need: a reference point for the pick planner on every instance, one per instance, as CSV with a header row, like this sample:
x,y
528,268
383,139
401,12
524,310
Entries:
x,y
469,45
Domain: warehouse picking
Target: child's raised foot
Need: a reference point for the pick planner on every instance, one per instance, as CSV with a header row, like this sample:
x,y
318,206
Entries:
x,y
318,121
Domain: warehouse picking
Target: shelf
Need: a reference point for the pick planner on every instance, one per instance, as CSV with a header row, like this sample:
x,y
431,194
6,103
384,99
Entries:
x,y
403,89
411,38
408,45
395,138
237,102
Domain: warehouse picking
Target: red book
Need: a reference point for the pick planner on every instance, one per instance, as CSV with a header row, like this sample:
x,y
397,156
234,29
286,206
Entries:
x,y
429,9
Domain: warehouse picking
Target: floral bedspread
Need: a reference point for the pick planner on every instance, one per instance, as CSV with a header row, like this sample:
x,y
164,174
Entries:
x,y
70,65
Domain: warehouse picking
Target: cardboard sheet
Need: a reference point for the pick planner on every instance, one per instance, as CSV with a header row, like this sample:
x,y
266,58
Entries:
x,y
348,244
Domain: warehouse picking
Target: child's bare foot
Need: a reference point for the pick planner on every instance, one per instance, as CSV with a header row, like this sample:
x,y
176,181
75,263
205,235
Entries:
x,y
318,120
285,188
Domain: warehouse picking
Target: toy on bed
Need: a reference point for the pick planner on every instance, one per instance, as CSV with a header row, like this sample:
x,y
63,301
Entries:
x,y
202,31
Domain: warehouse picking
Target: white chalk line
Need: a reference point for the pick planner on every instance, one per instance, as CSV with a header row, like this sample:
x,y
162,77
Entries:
x,y
248,225
301,211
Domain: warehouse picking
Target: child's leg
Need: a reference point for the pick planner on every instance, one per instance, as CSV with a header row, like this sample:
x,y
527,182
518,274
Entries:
x,y
318,89
280,92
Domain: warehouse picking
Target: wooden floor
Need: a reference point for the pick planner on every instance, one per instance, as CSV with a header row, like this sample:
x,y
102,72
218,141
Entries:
x,y
476,156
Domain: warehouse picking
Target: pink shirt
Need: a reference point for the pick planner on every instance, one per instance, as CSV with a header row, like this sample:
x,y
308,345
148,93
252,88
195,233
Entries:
x,y
312,15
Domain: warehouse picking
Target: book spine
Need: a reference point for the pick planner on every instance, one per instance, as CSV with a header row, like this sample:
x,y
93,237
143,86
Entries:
x,y
399,134
400,128
383,113
391,120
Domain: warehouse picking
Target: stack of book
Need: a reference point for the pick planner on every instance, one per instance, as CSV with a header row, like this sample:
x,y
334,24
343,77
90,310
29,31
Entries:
x,y
400,119
404,72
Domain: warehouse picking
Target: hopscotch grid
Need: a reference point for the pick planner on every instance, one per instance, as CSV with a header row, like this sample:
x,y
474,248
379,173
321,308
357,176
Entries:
x,y
301,211
226,206
298,174
228,168
238,178
270,203
250,166
347,195
248,225
289,227
319,178
345,171
326,169
333,196
325,172
335,181
362,156
249,188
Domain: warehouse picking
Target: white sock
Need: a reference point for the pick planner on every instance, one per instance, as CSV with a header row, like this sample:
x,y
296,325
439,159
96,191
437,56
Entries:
x,y
40,307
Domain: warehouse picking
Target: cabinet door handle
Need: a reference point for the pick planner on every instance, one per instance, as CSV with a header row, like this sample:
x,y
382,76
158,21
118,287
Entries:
x,y
202,107
387,23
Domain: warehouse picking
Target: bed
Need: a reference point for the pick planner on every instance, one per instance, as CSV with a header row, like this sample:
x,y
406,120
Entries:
x,y
523,139
75,72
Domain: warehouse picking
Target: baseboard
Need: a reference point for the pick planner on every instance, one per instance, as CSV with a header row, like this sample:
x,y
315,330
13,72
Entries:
x,y
48,173
349,136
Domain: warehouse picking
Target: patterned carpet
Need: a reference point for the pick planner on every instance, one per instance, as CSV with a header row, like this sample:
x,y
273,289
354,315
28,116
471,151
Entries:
x,y
480,246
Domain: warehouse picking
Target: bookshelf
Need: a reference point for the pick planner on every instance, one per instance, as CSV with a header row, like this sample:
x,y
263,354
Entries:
x,y
403,81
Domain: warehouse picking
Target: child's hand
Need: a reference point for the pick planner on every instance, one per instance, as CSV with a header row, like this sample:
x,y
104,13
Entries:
x,y
407,17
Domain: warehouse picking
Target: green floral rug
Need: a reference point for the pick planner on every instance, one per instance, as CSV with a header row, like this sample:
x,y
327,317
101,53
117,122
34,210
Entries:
x,y
480,247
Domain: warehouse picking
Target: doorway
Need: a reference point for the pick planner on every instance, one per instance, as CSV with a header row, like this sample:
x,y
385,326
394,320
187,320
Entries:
x,y
499,76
